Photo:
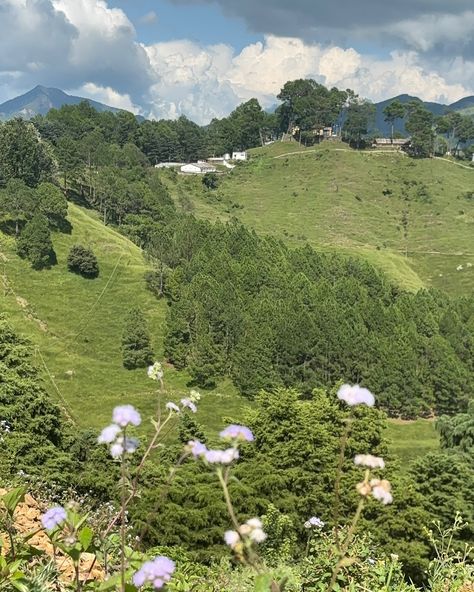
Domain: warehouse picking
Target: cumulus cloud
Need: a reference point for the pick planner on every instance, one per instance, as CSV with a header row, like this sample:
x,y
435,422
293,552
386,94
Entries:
x,y
206,82
92,48
68,43
106,95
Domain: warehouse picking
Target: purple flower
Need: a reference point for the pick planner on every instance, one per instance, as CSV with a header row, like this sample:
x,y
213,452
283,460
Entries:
x,y
156,572
53,517
196,448
222,457
237,432
189,404
109,434
124,415
316,522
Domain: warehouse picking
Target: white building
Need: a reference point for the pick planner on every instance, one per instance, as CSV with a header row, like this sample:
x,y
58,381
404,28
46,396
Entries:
x,y
168,165
239,155
198,168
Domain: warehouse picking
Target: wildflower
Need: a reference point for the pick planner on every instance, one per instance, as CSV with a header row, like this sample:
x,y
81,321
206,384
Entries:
x,y
316,522
109,434
363,488
122,445
459,268
307,524
381,491
196,448
189,404
124,415
223,457
172,406
53,517
194,396
254,523
231,538
257,535
156,572
237,432
367,460
155,372
355,395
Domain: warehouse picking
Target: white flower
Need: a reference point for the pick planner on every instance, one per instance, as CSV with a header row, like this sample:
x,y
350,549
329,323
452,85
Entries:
x,y
381,490
124,415
109,434
231,537
254,523
459,268
116,450
194,396
258,535
189,404
155,372
355,395
367,460
172,407
316,522
307,524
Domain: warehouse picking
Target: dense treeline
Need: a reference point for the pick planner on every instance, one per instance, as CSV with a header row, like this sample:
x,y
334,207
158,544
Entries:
x,y
266,315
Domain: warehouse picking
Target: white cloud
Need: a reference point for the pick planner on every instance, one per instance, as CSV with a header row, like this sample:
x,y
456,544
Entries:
x,y
149,18
88,46
106,95
204,82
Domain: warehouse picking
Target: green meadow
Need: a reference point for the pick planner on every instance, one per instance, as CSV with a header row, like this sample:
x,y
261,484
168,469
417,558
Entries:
x,y
412,218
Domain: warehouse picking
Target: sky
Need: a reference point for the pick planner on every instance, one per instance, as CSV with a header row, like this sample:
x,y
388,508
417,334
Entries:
x,y
201,58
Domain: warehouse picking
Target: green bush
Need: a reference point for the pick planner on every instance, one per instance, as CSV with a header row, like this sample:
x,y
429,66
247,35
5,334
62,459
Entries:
x,y
136,346
82,260
35,244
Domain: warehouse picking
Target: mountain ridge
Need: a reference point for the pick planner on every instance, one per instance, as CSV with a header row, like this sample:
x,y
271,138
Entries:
x,y
41,99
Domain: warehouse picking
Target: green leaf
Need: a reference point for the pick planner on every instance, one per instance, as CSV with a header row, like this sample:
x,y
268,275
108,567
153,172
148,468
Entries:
x,y
13,498
262,583
85,537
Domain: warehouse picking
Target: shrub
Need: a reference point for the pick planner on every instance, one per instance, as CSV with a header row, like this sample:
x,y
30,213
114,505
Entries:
x,y
82,260
136,346
35,244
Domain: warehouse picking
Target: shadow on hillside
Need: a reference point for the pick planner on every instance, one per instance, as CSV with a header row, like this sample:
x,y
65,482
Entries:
x,y
79,199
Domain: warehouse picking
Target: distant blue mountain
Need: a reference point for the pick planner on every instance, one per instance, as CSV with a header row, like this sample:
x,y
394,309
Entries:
x,y
464,105
40,100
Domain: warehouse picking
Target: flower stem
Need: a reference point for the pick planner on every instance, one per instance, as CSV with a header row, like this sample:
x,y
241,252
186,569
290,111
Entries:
x,y
123,505
337,485
230,508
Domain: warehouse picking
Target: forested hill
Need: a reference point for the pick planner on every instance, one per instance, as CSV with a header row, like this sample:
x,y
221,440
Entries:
x,y
240,306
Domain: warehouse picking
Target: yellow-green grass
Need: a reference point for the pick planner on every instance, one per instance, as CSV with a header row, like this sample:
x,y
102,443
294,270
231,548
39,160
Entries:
x,y
337,199
76,326
408,440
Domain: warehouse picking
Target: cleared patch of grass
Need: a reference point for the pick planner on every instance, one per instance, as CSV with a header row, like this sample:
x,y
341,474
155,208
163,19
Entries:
x,y
412,218
411,439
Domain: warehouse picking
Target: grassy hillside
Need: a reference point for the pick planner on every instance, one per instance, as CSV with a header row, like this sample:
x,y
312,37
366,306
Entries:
x,y
412,218
76,325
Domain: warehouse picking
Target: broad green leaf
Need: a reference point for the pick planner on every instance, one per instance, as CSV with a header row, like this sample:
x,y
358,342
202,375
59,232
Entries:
x,y
85,537
13,498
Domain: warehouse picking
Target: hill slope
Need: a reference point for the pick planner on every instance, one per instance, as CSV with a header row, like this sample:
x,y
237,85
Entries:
x,y
76,325
40,100
412,218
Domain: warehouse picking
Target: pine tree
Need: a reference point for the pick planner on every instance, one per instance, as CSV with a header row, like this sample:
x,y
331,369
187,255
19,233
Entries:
x,y
136,343
35,244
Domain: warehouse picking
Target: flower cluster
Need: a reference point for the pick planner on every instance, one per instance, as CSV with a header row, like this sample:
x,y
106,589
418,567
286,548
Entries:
x,y
379,488
155,372
234,433
252,531
355,395
369,461
222,457
157,572
314,522
122,416
53,517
